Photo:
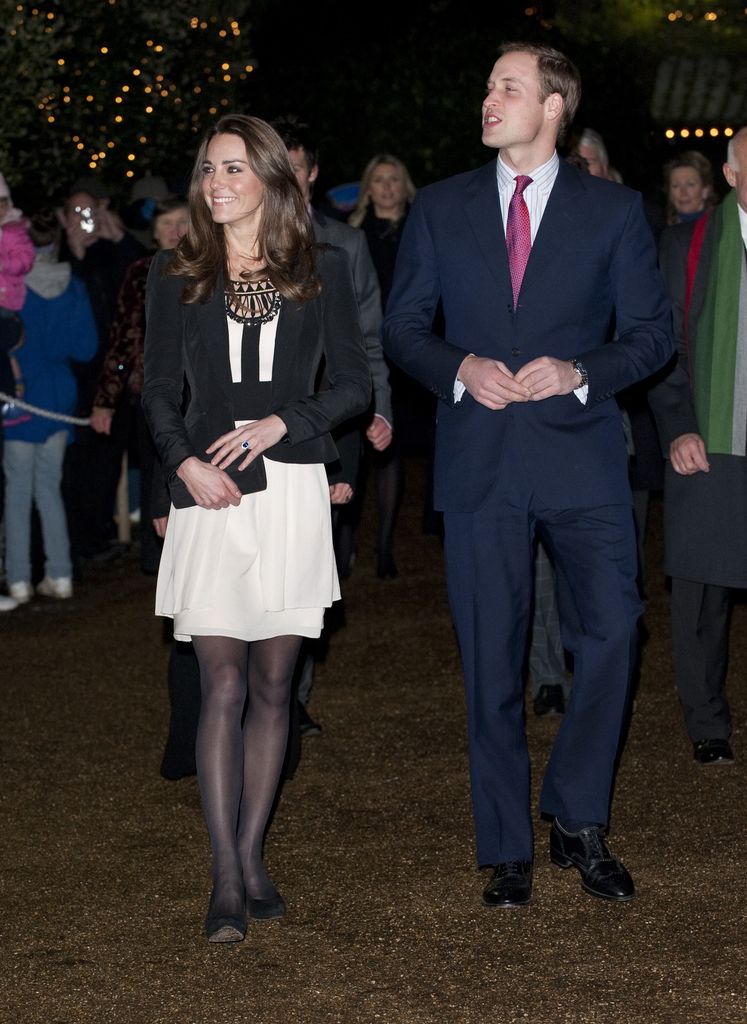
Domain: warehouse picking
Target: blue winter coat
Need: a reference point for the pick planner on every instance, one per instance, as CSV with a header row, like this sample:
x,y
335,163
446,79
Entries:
x,y
58,330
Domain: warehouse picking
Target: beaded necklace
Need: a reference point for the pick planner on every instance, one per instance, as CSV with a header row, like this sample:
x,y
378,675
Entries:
x,y
248,301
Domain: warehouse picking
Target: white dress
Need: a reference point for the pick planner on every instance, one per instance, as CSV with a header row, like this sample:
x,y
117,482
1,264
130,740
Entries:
x,y
263,568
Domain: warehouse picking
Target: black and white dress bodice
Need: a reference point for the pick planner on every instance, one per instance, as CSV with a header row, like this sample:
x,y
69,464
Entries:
x,y
252,312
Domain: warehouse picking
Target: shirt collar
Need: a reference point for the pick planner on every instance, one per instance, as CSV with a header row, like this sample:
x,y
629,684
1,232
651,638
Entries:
x,y
543,177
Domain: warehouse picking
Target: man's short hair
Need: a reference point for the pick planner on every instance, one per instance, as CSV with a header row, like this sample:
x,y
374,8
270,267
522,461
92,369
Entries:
x,y
556,74
297,135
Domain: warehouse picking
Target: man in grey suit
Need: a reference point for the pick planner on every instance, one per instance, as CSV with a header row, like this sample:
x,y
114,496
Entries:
x,y
302,150
701,414
376,425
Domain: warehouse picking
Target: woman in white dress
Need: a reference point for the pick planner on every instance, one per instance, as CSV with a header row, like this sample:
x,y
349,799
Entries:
x,y
242,318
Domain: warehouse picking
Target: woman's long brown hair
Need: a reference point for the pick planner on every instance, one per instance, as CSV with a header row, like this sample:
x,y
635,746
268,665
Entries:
x,y
285,236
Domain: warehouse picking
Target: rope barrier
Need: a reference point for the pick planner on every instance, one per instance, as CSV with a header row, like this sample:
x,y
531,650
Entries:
x,y
78,421
123,519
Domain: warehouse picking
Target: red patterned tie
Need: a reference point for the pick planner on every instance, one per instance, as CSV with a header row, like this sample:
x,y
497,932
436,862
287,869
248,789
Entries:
x,y
518,234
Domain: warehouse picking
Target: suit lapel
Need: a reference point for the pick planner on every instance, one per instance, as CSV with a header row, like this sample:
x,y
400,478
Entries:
x,y
556,226
213,335
290,322
483,209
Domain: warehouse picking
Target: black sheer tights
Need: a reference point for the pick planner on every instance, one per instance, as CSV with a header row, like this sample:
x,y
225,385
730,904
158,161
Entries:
x,y
238,766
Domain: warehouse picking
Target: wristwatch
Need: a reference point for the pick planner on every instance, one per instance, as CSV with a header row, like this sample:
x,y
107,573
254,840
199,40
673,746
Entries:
x,y
580,369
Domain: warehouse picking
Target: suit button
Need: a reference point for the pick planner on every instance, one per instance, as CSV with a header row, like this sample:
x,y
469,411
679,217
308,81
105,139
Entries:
x,y
515,351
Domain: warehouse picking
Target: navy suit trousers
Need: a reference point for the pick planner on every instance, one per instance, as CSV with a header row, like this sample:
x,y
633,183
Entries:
x,y
489,569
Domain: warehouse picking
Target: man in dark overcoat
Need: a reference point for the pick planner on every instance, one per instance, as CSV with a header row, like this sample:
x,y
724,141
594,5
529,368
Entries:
x,y
701,414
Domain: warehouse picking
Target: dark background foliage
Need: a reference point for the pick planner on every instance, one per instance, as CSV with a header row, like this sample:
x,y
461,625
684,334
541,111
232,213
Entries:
x,y
402,77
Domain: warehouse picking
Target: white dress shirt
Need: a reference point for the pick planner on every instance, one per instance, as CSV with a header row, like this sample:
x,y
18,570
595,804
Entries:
x,y
536,195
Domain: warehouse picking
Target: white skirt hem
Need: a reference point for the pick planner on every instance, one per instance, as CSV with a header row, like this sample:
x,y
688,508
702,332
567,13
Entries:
x,y
261,569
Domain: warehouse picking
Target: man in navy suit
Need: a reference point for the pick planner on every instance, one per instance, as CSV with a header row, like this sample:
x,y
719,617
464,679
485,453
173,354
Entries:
x,y
530,443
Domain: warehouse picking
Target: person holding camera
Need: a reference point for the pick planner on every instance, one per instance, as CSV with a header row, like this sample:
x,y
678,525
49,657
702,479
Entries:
x,y
100,251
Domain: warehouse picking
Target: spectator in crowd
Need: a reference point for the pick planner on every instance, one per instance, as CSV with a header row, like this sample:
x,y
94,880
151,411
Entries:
x,y
375,426
688,186
646,467
122,369
16,259
591,147
384,199
99,251
702,418
59,328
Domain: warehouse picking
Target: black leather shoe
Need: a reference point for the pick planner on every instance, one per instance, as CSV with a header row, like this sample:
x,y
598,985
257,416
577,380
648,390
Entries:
x,y
266,910
549,701
712,752
601,874
510,886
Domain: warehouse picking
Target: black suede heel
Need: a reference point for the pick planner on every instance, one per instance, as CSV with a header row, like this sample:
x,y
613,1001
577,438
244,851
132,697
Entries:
x,y
266,910
224,927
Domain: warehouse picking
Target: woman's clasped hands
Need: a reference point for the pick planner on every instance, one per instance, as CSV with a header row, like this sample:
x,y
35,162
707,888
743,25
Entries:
x,y
249,440
207,482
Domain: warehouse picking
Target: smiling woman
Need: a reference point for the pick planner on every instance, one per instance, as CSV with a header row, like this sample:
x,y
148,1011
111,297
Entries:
x,y
245,311
232,190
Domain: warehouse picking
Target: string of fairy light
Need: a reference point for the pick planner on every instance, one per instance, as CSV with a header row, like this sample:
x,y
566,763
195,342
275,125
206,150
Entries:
x,y
683,23
130,89
711,17
698,133
113,95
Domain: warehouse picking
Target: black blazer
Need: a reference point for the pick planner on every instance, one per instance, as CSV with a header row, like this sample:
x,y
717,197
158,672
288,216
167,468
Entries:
x,y
190,343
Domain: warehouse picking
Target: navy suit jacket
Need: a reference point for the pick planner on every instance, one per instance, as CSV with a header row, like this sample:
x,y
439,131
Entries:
x,y
591,291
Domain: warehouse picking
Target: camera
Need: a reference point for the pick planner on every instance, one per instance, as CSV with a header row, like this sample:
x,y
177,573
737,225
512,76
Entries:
x,y
87,221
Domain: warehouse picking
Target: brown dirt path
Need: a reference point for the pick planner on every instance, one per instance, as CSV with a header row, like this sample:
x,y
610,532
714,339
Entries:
x,y
104,878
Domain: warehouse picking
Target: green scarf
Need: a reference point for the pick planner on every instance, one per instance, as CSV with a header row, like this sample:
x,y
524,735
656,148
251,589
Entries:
x,y
716,338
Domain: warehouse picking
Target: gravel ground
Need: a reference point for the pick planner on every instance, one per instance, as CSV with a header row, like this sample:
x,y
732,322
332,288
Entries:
x,y
105,865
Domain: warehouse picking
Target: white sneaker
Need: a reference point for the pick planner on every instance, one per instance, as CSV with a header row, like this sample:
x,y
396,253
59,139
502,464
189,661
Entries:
x,y
61,588
7,604
22,592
